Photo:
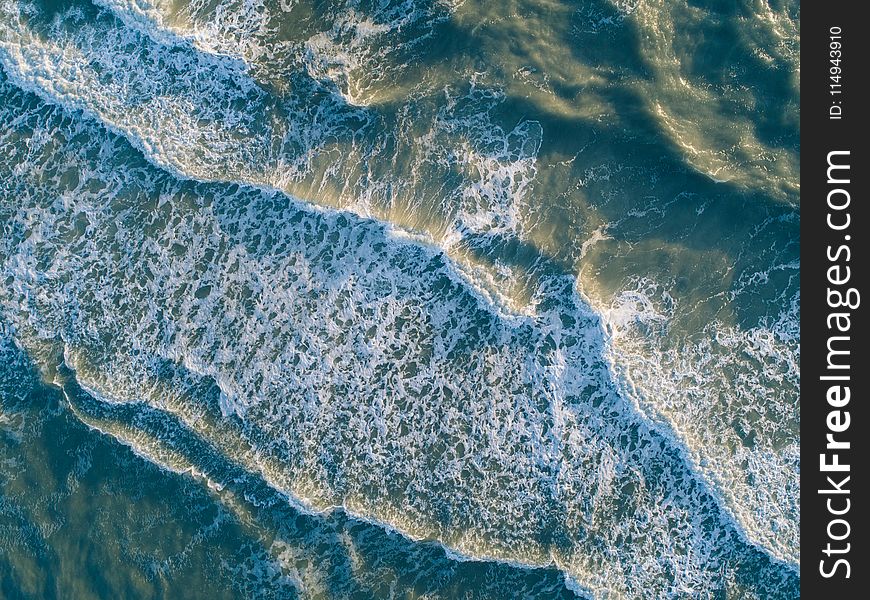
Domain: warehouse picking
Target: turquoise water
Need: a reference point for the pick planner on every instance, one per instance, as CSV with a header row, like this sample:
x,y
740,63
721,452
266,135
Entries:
x,y
399,299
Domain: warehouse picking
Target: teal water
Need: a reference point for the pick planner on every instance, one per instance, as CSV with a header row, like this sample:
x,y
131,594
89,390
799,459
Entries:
x,y
399,299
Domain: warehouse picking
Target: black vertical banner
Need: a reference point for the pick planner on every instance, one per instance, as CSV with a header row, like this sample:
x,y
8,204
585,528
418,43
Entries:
x,y
835,426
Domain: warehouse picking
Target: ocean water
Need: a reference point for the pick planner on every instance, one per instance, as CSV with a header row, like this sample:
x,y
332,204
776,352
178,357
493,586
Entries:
x,y
399,299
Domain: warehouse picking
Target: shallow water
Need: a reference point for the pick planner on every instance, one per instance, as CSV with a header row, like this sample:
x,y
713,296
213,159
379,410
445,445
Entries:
x,y
399,299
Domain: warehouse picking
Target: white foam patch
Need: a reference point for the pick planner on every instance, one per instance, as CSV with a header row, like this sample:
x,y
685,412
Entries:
x,y
353,368
211,117
206,115
731,394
